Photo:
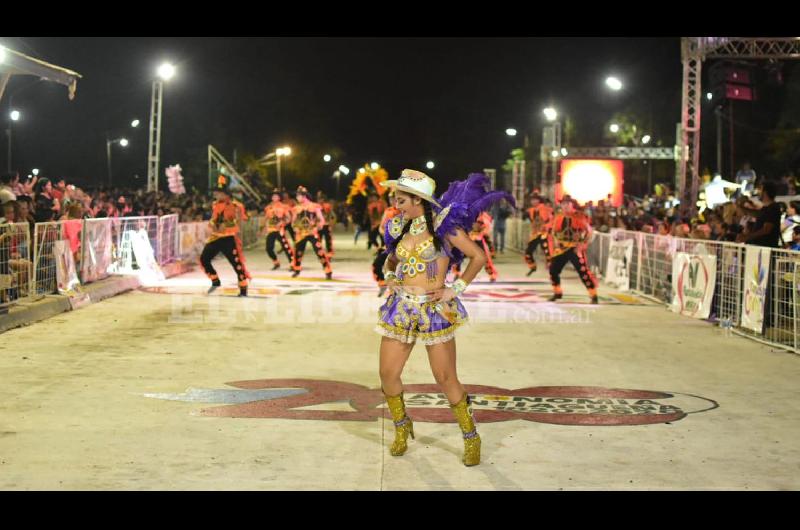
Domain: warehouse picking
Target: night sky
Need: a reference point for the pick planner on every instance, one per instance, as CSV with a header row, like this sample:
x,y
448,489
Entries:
x,y
399,101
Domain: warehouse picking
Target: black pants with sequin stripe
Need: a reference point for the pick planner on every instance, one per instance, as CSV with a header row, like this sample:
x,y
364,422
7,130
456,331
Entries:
x,y
578,259
228,246
529,252
278,235
325,235
300,247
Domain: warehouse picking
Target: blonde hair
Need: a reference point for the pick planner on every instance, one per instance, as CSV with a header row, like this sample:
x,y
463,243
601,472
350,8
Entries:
x,y
75,211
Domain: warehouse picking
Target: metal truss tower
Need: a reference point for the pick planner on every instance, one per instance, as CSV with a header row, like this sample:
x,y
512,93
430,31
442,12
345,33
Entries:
x,y
695,50
154,144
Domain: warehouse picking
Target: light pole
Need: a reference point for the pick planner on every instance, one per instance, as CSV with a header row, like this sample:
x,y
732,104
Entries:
x,y
281,151
13,113
277,154
165,72
614,83
343,170
551,145
13,116
121,141
327,158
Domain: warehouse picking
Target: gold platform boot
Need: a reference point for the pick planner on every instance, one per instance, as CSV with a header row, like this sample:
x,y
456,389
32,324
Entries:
x,y
472,441
402,424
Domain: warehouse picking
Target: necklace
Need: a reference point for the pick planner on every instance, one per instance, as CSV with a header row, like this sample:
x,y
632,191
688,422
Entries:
x,y
418,225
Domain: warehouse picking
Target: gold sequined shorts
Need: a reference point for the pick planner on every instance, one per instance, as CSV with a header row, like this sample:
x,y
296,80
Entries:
x,y
409,318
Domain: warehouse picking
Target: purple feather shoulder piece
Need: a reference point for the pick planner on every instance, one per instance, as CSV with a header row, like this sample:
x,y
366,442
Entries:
x,y
461,204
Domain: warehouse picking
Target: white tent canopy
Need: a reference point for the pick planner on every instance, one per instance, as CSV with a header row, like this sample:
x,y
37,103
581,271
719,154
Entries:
x,y
15,63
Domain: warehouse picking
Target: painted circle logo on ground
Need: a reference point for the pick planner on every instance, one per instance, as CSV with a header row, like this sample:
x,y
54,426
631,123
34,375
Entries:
x,y
311,399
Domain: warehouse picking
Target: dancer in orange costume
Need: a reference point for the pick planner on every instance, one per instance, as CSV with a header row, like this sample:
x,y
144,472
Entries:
x,y
540,214
278,216
567,236
226,218
307,219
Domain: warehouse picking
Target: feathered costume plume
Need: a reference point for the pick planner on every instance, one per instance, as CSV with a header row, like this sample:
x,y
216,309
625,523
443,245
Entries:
x,y
461,204
359,184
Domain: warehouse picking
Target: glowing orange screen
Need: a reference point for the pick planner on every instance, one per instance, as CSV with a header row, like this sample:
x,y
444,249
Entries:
x,y
591,180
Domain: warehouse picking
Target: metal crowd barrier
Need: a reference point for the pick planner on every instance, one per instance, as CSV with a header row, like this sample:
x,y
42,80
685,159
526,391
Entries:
x,y
167,239
783,311
250,230
192,238
44,263
597,253
100,247
122,228
16,266
98,251
651,276
517,231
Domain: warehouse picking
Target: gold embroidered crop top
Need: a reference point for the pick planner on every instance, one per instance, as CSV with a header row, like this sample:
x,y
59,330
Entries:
x,y
422,258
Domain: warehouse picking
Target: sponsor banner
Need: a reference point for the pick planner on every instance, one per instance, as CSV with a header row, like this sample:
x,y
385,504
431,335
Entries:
x,y
796,303
618,267
97,254
192,238
67,281
149,270
693,281
756,274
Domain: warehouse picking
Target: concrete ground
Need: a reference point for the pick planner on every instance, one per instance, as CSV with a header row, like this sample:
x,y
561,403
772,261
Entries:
x,y
168,388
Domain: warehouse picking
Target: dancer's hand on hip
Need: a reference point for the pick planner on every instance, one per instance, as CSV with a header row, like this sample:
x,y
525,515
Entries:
x,y
443,295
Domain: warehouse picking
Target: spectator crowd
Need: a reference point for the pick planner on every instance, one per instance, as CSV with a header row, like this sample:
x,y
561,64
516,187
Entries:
x,y
759,219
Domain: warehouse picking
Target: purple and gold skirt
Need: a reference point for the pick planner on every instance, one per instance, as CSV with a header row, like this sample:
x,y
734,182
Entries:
x,y
408,318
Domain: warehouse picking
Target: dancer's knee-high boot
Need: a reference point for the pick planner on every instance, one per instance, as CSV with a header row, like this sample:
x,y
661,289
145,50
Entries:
x,y
402,424
472,441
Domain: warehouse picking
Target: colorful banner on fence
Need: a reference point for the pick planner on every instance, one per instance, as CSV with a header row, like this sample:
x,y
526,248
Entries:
x,y
149,270
97,253
67,281
693,280
796,304
756,274
192,237
618,269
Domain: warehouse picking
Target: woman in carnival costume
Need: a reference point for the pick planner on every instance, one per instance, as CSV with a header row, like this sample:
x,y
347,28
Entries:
x,y
422,242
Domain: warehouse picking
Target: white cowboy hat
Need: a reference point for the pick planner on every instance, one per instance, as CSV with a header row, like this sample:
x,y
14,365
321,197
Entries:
x,y
416,183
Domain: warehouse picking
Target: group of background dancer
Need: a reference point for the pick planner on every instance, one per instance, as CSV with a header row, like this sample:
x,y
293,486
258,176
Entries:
x,y
563,233
302,219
